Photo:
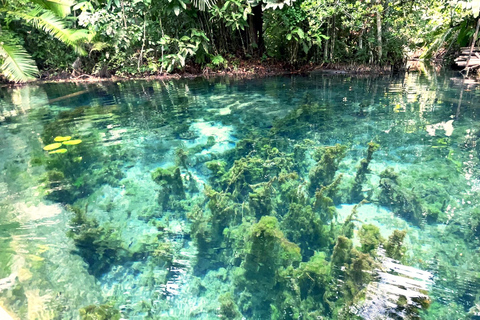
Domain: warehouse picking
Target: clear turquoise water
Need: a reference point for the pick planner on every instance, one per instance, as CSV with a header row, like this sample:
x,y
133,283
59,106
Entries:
x,y
99,225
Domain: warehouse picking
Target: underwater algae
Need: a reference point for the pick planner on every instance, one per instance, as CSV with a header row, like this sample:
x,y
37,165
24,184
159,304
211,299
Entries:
x,y
169,207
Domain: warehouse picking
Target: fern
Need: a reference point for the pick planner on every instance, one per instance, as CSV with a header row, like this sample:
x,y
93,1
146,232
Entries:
x,y
17,65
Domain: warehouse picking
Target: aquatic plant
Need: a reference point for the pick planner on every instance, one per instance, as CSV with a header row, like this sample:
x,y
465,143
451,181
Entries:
x,y
52,146
266,252
323,173
314,279
356,194
301,225
394,247
228,307
100,312
100,247
171,183
300,120
370,238
402,201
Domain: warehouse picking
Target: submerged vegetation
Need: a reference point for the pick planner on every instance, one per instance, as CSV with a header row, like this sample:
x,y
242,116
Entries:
x,y
156,36
188,207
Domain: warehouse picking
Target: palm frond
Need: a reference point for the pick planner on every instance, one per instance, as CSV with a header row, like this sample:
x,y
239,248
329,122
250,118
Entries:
x,y
60,7
51,24
17,65
200,4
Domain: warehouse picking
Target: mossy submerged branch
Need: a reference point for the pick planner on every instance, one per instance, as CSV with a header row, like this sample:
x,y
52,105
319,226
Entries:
x,y
259,219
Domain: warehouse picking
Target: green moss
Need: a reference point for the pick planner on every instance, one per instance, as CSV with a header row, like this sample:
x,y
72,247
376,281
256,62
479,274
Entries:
x,y
267,250
370,238
323,172
402,201
171,183
228,307
394,247
100,312
303,226
100,247
356,193
341,254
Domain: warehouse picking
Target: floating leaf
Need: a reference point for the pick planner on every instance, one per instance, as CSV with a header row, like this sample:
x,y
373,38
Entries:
x,y
72,142
58,151
52,146
60,138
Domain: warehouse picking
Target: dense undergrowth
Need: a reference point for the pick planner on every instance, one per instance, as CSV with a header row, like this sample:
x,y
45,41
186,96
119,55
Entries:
x,y
151,37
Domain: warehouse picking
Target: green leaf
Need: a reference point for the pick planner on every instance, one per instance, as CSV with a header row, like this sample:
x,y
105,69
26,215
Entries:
x,y
176,10
51,24
289,36
60,7
17,66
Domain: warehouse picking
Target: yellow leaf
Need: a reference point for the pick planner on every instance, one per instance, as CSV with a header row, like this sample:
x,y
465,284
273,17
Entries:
x,y
60,138
72,142
58,151
52,146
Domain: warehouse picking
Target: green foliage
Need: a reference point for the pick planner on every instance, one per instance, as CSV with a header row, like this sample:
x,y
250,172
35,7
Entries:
x,y
100,247
303,226
361,175
45,15
370,238
100,312
171,183
228,307
324,171
403,201
394,247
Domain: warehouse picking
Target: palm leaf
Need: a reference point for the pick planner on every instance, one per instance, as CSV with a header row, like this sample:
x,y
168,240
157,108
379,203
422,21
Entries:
x,y
51,24
60,7
17,65
200,4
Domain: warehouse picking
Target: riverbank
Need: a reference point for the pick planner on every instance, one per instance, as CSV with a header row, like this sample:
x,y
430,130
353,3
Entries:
x,y
244,70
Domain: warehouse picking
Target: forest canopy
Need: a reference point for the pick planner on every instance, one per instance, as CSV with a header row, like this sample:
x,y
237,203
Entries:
x,y
137,37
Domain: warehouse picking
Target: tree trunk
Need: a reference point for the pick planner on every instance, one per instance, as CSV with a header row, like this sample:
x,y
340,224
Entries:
x,y
473,45
360,40
379,32
332,43
255,22
325,47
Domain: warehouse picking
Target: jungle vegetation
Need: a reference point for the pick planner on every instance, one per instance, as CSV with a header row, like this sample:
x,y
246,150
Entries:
x,y
138,37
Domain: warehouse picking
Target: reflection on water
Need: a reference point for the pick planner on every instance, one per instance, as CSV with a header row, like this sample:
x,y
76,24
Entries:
x,y
286,198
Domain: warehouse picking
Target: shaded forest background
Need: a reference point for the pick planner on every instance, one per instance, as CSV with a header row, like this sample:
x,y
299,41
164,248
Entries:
x,y
141,37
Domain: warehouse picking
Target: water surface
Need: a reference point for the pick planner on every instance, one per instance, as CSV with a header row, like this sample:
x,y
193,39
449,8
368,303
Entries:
x,y
317,197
